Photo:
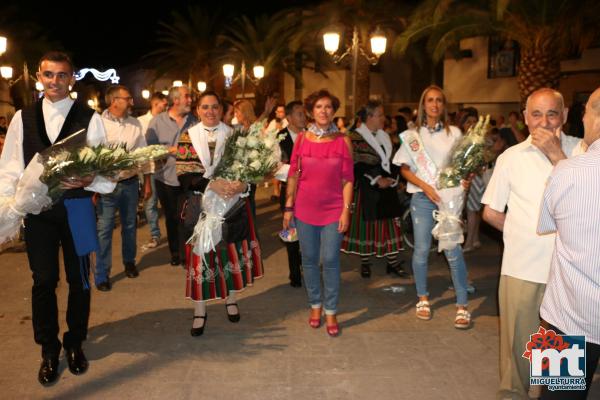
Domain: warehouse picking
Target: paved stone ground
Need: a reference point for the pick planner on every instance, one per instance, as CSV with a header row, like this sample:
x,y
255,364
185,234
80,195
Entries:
x,y
139,345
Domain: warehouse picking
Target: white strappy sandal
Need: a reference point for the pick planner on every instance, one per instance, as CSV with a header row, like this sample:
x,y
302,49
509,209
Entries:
x,y
463,319
424,310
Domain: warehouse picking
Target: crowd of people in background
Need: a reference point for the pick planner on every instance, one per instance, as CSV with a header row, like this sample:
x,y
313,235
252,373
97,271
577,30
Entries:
x,y
341,194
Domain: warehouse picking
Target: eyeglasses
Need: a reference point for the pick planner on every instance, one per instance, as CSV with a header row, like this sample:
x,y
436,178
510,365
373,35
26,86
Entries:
x,y
59,75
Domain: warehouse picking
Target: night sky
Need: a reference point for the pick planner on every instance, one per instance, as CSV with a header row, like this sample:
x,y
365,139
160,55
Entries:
x,y
114,33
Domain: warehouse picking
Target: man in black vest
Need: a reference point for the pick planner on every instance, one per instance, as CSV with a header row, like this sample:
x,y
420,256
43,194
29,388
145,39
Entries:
x,y
294,112
32,130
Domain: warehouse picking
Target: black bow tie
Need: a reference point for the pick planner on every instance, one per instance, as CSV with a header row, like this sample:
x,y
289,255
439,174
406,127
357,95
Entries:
x,y
213,130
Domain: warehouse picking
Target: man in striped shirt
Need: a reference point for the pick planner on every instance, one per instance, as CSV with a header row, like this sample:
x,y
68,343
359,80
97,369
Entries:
x,y
570,207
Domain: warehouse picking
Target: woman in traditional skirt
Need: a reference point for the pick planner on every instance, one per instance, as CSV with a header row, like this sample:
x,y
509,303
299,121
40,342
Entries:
x,y
236,261
375,224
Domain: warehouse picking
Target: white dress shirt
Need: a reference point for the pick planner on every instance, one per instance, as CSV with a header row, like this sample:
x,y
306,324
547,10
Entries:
x,y
570,206
518,181
437,145
12,163
145,121
127,131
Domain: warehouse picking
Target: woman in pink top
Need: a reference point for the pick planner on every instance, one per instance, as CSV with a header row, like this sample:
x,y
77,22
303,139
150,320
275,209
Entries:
x,y
319,198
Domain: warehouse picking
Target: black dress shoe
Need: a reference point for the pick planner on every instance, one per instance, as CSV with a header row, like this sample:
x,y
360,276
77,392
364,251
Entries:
x,y
233,317
175,261
104,286
365,270
199,331
48,372
131,270
78,364
396,269
296,283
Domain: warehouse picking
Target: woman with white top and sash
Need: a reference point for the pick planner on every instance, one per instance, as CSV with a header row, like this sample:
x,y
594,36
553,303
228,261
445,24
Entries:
x,y
424,151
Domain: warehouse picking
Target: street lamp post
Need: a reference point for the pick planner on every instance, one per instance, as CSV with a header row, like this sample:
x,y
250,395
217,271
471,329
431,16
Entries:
x,y
331,42
229,69
7,73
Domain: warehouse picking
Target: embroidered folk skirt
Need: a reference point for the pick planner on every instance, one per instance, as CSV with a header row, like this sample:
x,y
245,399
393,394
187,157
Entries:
x,y
231,267
379,237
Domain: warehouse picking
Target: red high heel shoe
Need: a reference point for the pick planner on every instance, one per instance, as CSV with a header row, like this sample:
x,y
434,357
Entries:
x,y
333,330
315,322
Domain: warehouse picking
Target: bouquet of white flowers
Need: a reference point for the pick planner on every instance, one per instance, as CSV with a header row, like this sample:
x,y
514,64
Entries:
x,y
40,185
247,157
63,164
151,158
468,157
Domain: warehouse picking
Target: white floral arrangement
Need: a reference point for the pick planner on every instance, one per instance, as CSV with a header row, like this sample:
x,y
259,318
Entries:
x,y
248,156
151,152
64,164
468,157
40,185
151,158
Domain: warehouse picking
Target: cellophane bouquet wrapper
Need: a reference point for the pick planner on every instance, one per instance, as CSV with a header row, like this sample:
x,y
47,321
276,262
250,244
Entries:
x,y
468,156
40,185
248,157
30,196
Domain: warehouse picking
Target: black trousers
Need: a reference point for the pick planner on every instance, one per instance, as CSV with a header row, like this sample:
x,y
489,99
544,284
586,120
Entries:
x,y
292,248
294,261
168,197
592,356
44,234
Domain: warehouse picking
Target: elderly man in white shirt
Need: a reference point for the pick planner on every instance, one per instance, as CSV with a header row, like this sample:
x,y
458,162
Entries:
x,y
518,183
570,207
32,130
121,128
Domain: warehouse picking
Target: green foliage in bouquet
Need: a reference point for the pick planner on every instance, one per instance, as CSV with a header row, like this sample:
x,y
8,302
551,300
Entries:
x,y
468,156
65,164
248,156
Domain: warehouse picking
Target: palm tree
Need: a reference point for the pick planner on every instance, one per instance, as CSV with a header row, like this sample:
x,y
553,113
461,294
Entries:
x,y
547,31
267,40
188,44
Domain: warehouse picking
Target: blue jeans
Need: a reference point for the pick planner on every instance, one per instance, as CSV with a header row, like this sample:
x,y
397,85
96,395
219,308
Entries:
x,y
151,211
312,239
124,198
421,209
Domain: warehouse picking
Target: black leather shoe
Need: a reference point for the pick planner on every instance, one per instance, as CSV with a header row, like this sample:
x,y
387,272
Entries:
x,y
131,270
175,261
296,283
104,286
233,317
365,270
48,372
78,364
396,269
199,331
